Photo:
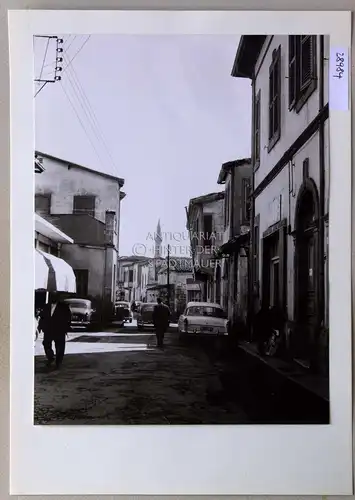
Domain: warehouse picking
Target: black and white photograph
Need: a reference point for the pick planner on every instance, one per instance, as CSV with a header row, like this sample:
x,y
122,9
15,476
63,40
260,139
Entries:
x,y
181,229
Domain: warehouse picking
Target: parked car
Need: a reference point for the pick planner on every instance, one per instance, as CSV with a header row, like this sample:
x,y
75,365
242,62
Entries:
x,y
123,312
82,312
203,318
145,315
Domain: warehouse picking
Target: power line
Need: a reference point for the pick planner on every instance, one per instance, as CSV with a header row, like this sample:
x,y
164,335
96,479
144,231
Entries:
x,y
81,122
91,113
44,59
71,43
76,53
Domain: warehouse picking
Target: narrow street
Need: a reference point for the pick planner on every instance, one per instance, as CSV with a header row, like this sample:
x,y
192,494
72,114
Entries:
x,y
120,377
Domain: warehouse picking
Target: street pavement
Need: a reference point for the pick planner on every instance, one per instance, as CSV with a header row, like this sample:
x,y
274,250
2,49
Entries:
x,y
120,377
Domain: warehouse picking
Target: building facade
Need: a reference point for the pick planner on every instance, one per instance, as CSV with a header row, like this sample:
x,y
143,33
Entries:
x,y
290,157
205,216
232,269
85,204
180,272
138,274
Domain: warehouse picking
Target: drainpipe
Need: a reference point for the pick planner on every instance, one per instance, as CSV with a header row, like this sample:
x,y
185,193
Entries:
x,y
252,216
321,185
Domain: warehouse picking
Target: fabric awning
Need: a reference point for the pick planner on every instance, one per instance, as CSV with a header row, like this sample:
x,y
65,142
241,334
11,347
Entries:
x,y
53,274
233,244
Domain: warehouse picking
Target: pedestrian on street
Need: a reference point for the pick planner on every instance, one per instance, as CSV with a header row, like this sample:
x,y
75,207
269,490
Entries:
x,y
161,316
55,323
262,327
36,321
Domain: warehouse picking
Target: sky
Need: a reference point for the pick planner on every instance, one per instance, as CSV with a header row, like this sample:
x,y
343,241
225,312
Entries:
x,y
162,112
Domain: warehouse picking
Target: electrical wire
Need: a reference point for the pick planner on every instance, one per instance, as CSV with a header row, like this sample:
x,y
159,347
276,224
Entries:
x,y
76,53
81,122
44,59
88,109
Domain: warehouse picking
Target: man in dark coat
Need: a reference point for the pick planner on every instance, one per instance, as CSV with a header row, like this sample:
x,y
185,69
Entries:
x,y
161,316
262,327
55,324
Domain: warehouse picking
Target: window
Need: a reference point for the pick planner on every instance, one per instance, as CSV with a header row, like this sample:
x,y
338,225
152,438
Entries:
x,y
275,98
82,281
207,229
130,275
257,131
226,206
246,201
84,205
302,70
43,204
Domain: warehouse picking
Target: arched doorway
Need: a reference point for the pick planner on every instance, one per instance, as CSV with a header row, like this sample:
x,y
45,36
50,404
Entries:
x,y
218,284
306,273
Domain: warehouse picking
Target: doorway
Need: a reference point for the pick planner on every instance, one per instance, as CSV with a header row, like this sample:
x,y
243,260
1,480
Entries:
x,y
218,284
306,277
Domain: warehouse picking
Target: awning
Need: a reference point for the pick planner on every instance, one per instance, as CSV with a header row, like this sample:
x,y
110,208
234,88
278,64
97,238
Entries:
x,y
53,274
233,245
204,272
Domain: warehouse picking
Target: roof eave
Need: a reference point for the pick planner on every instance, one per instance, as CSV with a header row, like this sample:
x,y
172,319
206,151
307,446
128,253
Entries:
x,y
247,54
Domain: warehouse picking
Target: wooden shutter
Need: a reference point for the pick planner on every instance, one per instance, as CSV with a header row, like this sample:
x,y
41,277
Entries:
x,y
274,93
292,70
307,61
207,229
257,129
43,204
246,199
84,205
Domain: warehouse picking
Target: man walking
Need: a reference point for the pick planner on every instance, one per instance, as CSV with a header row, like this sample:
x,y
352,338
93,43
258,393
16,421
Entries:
x,y
55,323
161,316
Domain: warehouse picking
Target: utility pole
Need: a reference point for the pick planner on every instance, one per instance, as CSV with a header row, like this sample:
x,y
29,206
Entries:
x,y
168,275
58,62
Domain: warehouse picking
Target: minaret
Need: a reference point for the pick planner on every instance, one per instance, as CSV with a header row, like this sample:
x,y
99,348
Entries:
x,y
158,241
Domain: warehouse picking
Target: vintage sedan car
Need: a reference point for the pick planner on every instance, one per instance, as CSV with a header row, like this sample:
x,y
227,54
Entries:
x,y
203,318
123,311
81,312
145,315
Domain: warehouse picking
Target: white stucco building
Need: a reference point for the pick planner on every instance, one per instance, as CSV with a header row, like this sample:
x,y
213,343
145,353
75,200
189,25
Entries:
x,y
206,227
290,157
84,204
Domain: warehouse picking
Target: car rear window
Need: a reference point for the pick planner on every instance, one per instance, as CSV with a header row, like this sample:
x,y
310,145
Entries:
x,y
213,312
78,304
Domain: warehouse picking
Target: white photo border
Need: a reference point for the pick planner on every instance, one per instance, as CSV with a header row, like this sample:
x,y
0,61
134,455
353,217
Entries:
x,y
147,460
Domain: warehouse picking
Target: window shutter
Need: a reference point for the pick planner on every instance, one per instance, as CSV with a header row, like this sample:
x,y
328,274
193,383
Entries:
x,y
274,93
43,204
307,58
292,70
271,102
257,129
84,205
